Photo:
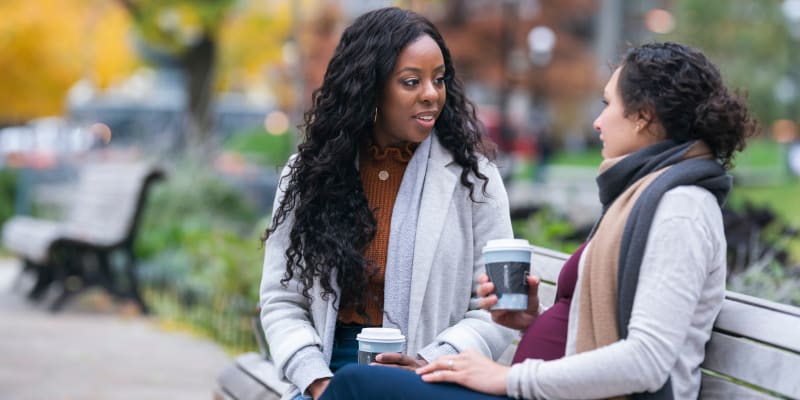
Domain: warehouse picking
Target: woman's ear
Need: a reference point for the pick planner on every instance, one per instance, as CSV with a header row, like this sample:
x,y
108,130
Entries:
x,y
643,120
647,123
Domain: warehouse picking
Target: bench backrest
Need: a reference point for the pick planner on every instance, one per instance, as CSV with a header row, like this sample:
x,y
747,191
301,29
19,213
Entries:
x,y
754,351
108,200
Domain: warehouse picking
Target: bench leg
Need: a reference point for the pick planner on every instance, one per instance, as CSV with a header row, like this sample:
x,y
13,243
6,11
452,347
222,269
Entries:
x,y
68,271
133,281
28,268
61,300
44,277
123,281
105,274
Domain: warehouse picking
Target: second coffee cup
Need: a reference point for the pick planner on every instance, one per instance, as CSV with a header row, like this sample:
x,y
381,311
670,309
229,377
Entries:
x,y
508,263
373,341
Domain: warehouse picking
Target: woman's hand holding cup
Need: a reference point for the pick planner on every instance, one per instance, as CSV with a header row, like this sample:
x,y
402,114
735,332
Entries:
x,y
507,289
515,319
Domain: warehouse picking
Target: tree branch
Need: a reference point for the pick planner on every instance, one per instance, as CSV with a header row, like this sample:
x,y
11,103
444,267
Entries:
x,y
132,8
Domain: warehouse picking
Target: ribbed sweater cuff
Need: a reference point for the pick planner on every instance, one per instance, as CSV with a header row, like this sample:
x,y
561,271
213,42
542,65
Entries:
x,y
435,350
306,366
521,379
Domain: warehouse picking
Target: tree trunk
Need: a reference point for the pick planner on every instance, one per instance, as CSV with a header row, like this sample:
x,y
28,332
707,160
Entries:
x,y
198,65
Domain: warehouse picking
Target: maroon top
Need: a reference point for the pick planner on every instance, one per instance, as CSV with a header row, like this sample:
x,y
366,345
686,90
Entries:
x,y
546,337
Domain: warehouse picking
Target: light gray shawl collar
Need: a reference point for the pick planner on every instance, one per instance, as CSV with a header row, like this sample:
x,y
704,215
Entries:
x,y
402,233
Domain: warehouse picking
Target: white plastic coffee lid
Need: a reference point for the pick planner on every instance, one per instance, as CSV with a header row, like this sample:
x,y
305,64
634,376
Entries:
x,y
507,244
381,335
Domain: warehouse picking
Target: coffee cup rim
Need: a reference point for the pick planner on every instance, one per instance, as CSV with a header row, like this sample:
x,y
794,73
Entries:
x,y
381,335
507,244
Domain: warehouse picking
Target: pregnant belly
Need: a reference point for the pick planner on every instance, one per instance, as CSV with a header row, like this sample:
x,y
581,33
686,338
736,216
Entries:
x,y
545,338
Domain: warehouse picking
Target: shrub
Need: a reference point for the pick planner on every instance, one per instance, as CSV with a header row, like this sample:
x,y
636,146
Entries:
x,y
260,147
202,255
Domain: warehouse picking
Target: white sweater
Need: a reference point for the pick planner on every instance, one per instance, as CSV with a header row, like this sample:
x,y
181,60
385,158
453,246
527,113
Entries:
x,y
679,294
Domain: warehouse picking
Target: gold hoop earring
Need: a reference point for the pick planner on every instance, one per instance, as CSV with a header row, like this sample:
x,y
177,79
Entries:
x,y
375,116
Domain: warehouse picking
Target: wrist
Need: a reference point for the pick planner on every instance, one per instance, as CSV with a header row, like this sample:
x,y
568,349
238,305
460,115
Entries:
x,y
526,321
316,388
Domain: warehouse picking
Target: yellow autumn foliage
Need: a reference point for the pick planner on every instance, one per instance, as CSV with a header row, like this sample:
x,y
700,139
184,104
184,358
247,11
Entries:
x,y
47,45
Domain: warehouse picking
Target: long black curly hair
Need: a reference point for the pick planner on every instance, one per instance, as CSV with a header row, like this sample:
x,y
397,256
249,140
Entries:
x,y
332,223
681,89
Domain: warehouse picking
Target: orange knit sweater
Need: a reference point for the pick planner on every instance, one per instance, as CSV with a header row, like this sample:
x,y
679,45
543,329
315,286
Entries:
x,y
381,173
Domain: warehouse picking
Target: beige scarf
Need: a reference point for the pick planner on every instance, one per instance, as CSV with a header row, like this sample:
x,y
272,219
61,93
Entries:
x,y
597,317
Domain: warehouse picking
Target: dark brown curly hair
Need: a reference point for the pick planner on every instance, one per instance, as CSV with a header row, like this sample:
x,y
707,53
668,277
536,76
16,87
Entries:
x,y
678,87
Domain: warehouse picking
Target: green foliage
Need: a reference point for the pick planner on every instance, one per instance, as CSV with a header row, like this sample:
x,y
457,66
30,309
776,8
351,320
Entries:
x,y
747,40
547,229
586,158
175,25
210,283
192,200
202,255
762,180
8,185
775,197
260,147
762,153
768,280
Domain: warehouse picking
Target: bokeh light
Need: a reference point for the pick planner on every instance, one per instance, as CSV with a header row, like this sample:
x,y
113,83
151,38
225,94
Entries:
x,y
276,122
784,130
101,131
660,21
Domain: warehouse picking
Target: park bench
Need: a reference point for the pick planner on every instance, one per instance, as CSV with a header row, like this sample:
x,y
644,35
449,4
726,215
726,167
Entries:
x,y
93,245
753,353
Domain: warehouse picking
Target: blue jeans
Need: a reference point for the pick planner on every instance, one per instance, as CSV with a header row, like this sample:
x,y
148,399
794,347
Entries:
x,y
355,382
345,345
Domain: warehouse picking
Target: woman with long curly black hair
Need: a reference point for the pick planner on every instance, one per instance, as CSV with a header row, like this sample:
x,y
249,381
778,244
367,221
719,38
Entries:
x,y
636,303
381,215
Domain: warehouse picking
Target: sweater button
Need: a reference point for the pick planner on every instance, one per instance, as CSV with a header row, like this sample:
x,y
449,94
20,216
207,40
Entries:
x,y
383,175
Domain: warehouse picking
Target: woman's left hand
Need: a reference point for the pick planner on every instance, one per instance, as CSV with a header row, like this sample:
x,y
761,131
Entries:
x,y
470,369
400,361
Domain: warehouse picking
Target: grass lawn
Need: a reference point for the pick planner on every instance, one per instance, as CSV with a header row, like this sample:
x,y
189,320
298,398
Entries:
x,y
769,184
783,198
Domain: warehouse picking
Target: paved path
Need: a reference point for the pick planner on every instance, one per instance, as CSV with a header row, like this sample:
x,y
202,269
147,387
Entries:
x,y
85,354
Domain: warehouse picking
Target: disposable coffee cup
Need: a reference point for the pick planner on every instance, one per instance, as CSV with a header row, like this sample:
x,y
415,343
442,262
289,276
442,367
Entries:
x,y
374,341
508,263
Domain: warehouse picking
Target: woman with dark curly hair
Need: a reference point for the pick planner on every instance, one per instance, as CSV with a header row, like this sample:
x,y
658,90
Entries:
x,y
636,303
380,216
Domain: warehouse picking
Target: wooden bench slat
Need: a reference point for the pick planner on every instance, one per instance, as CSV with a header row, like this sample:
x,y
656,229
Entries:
x,y
262,370
768,367
31,237
546,263
778,328
715,388
763,303
547,294
240,385
106,201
